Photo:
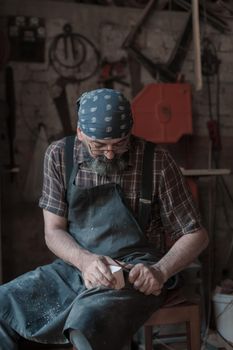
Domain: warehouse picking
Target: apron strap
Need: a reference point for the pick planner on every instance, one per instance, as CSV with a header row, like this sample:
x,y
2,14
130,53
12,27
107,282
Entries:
x,y
69,151
146,185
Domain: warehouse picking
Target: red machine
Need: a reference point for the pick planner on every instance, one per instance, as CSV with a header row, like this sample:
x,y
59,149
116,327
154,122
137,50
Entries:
x,y
163,112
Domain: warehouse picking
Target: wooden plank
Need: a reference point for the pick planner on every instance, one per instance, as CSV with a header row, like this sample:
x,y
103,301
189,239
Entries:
x,y
205,172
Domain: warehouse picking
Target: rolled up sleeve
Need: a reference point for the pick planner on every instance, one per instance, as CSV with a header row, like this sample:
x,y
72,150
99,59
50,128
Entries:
x,y
53,192
179,212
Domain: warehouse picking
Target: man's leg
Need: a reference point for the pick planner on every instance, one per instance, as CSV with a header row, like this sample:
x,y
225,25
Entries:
x,y
8,337
79,340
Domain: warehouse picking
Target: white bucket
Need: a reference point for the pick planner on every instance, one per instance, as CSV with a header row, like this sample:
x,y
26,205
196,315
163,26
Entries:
x,y
223,309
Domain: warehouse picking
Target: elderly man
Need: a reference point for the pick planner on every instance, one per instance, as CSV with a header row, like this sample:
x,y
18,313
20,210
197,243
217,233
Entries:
x,y
93,219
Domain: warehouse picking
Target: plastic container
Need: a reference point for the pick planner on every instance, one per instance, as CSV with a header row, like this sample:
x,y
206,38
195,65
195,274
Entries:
x,y
223,309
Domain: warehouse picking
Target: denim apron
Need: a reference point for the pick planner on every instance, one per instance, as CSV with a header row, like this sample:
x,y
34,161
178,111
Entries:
x,y
44,304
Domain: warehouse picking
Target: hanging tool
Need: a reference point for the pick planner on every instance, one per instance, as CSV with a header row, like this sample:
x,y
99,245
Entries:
x,y
112,72
169,71
34,179
166,72
210,68
70,54
10,100
60,100
133,33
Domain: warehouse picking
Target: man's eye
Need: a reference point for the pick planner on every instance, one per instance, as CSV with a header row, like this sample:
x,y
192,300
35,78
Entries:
x,y
97,145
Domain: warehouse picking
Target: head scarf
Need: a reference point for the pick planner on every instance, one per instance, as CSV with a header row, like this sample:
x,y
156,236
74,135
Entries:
x,y
104,114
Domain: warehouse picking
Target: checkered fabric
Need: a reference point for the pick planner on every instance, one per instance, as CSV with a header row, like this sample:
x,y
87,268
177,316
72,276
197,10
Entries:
x,y
173,209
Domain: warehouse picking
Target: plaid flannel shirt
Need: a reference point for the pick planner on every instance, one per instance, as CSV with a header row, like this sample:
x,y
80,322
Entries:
x,y
173,209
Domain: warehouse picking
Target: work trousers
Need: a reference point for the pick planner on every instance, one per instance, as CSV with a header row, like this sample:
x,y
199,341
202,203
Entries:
x,y
8,337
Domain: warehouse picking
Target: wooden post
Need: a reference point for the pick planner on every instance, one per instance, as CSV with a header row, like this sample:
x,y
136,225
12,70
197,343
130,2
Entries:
x,y
196,45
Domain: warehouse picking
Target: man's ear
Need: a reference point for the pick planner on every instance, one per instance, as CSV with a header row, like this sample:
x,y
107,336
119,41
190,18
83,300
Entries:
x,y
80,135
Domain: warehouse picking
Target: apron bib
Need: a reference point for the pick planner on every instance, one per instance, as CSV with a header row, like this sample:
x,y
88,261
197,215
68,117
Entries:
x,y
101,222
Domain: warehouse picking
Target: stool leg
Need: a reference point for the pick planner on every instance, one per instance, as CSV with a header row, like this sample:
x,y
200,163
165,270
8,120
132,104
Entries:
x,y
194,330
148,330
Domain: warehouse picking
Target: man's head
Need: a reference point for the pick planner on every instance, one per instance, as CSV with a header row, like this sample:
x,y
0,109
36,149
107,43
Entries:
x,y
104,114
104,125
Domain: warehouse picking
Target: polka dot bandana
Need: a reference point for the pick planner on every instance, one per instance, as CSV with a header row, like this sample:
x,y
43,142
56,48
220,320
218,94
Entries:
x,y
104,114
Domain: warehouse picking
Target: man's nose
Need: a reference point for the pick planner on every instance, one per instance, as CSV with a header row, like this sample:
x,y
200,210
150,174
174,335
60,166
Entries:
x,y
109,153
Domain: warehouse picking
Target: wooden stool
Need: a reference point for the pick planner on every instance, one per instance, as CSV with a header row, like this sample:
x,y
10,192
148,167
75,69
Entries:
x,y
183,313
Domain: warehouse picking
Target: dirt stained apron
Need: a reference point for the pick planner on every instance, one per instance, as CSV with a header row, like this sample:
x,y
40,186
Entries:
x,y
46,303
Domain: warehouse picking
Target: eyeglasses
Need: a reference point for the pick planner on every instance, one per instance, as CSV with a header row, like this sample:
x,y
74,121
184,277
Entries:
x,y
99,149
98,152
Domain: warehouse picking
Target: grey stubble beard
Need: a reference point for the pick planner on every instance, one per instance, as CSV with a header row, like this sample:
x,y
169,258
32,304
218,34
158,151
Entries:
x,y
103,166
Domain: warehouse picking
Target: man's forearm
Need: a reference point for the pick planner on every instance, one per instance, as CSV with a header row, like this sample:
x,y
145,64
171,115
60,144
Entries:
x,y
182,253
60,242
95,268
65,247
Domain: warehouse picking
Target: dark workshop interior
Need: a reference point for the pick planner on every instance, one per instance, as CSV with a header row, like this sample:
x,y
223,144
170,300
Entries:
x,y
173,60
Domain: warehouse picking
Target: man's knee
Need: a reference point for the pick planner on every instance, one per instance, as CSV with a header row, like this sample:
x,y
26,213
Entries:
x,y
78,339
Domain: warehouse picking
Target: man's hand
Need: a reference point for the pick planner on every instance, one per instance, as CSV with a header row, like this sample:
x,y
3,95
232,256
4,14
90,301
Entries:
x,y
96,271
147,279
